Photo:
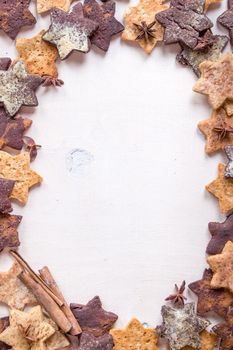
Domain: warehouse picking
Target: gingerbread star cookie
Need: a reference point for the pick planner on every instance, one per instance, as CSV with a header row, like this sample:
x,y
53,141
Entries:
x,y
93,318
15,15
17,88
12,291
209,299
103,14
47,5
141,26
38,55
134,336
218,131
224,331
8,231
221,232
222,267
182,327
216,80
184,22
27,330
17,168
70,31
222,189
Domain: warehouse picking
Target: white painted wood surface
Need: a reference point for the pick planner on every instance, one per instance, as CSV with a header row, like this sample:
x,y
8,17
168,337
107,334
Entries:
x,y
130,219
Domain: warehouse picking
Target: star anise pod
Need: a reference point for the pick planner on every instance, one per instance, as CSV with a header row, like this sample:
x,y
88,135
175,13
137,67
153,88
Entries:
x,y
178,297
222,130
145,31
50,81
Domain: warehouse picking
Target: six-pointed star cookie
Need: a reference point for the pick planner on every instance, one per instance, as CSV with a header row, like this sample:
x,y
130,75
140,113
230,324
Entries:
x,y
194,58
93,318
209,299
218,130
17,168
182,327
222,189
144,12
226,20
17,88
134,336
8,231
229,167
70,31
12,130
12,291
27,330
38,55
221,232
216,80
225,331
222,267
184,21
47,5
14,16
103,14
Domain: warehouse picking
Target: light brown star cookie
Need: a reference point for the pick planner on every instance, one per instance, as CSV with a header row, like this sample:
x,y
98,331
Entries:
x,y
17,168
38,55
208,3
134,336
27,330
216,80
222,189
135,16
218,131
222,267
46,5
12,291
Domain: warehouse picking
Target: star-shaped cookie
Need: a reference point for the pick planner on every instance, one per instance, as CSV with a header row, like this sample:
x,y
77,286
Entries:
x,y
144,12
103,14
216,80
15,15
182,327
93,318
229,167
27,330
222,267
134,336
221,232
70,31
222,189
17,168
12,291
194,58
225,331
17,88
8,231
184,22
226,20
218,131
209,299
38,55
12,130
47,5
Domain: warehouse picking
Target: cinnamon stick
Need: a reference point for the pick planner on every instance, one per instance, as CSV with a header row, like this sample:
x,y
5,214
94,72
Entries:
x,y
35,277
46,301
51,283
